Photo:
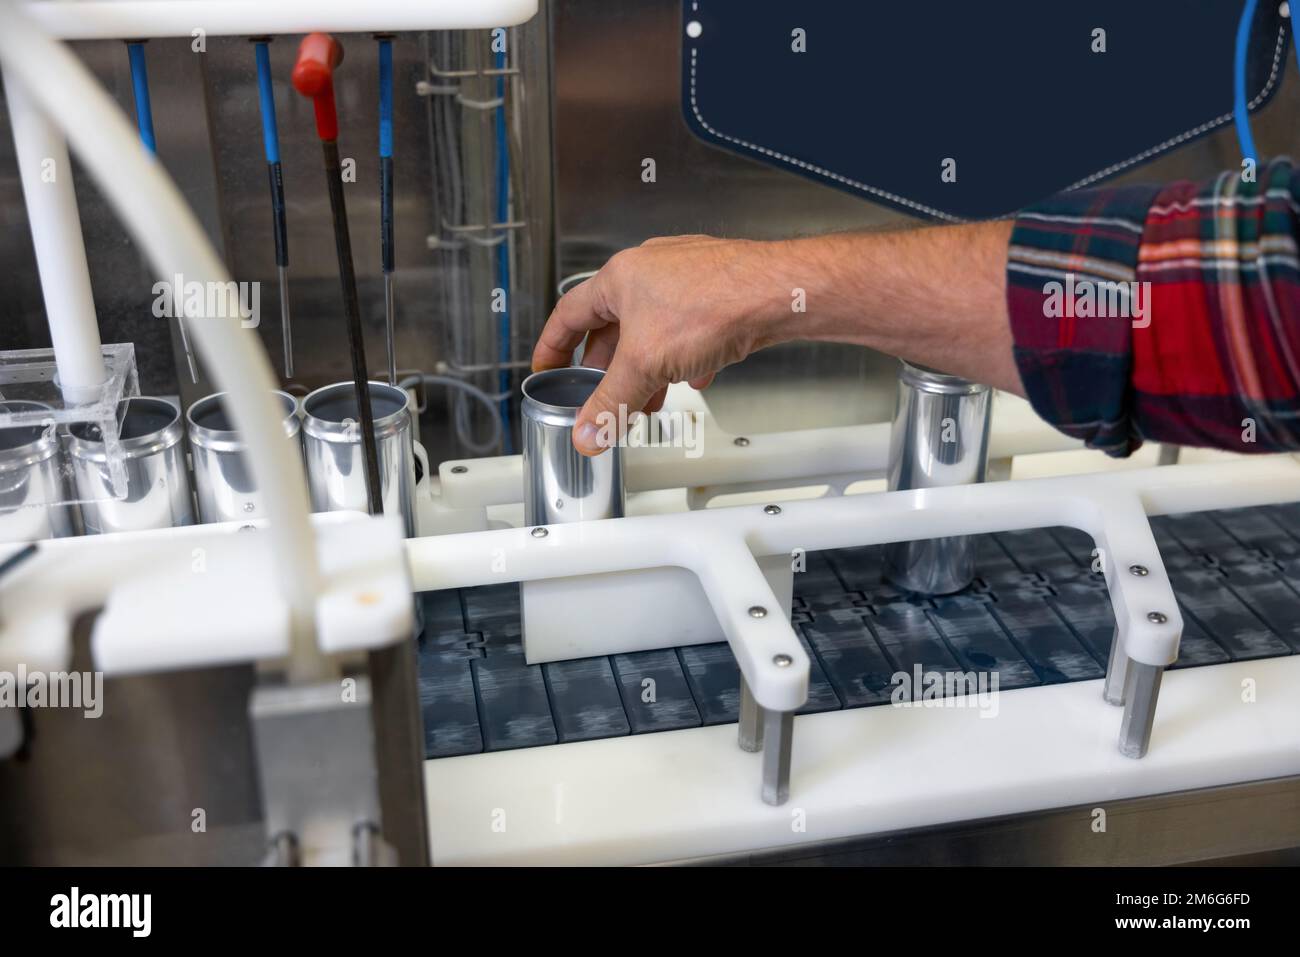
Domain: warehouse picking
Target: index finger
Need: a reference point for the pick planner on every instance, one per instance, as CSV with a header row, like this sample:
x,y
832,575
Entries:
x,y
579,311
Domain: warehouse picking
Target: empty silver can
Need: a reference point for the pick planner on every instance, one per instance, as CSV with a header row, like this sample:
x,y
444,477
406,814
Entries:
x,y
336,471
560,483
158,488
940,437
33,500
223,483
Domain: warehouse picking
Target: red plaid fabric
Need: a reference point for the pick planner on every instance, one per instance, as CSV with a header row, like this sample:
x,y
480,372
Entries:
x,y
1167,313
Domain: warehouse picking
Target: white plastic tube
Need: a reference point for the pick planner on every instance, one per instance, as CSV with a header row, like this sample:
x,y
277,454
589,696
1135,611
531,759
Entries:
x,y
149,204
140,19
46,175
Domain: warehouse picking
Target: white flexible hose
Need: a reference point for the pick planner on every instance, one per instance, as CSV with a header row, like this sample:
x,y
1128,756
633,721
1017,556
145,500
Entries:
x,y
151,207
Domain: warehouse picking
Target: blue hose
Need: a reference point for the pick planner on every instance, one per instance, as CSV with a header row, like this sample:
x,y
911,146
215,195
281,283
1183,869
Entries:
x,y
270,132
503,251
385,97
1240,110
140,86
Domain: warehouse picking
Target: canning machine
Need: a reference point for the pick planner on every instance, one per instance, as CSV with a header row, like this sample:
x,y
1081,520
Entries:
x,y
387,614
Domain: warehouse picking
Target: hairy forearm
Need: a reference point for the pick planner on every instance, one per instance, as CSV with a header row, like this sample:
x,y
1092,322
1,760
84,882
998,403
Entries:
x,y
936,297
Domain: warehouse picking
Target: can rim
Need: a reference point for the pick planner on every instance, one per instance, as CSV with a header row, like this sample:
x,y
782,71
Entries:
x,y
83,446
329,430
932,380
556,413
25,454
228,440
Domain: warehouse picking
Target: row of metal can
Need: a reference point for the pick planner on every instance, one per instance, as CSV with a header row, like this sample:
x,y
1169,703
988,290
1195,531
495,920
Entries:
x,y
56,482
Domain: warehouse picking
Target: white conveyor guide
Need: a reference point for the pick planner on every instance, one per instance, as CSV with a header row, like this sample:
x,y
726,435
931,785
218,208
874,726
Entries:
x,y
672,795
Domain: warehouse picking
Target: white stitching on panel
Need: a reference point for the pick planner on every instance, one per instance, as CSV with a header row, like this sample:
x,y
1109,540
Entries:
x,y
911,204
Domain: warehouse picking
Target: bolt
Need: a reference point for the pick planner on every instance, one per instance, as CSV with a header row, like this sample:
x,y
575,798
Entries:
x,y
772,509
459,469
782,661
249,507
540,532
1141,571
1157,617
740,440
757,611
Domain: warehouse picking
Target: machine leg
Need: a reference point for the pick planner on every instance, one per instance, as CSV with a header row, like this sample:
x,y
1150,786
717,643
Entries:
x,y
1116,672
751,719
776,756
1141,689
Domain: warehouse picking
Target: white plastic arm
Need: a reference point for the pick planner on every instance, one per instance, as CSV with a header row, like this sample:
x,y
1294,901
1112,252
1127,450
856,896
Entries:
x,y
149,204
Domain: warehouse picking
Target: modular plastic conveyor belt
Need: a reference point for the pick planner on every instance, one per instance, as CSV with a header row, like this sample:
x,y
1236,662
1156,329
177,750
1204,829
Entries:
x,y
1036,615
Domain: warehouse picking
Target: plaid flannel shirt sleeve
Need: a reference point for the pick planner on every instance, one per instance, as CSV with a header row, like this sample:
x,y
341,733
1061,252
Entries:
x,y
1169,313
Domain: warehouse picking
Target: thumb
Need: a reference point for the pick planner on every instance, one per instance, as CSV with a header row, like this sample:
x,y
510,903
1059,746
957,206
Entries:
x,y
624,388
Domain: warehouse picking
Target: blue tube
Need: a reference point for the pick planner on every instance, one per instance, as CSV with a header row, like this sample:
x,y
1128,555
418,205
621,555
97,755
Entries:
x,y
503,249
140,86
266,98
385,98
1240,110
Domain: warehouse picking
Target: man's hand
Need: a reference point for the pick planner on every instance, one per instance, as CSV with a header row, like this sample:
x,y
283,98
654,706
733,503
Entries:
x,y
680,308
675,309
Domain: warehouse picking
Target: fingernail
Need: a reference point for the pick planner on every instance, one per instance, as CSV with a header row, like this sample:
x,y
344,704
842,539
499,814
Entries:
x,y
587,437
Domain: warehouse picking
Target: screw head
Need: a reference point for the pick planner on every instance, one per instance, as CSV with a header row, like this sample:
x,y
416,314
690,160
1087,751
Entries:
x,y
459,469
740,440
772,509
757,611
249,507
540,532
1157,617
1141,571
782,661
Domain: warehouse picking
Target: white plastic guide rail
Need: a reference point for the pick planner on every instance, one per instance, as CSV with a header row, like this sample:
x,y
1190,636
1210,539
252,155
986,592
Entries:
x,y
141,19
721,545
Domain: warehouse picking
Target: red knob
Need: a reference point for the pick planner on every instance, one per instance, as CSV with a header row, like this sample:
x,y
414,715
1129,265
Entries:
x,y
313,76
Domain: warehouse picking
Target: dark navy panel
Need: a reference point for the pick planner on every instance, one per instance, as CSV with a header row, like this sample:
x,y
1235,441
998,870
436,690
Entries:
x,y
1013,92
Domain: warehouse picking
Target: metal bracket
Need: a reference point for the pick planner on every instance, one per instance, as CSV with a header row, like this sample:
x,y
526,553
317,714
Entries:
x,y
315,753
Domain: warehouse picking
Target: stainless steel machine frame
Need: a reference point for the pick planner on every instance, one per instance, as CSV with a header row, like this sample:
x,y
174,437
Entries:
x,y
336,475
223,484
940,437
32,503
158,486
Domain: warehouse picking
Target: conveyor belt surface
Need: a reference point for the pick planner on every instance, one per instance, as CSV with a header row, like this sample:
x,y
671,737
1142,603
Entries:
x,y
1036,615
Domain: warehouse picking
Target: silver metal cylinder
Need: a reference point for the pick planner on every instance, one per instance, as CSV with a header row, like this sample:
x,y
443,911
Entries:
x,y
157,489
223,482
940,437
560,483
33,501
336,472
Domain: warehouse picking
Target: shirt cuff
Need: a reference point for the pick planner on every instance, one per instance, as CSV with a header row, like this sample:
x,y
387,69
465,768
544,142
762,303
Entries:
x,y
1073,302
